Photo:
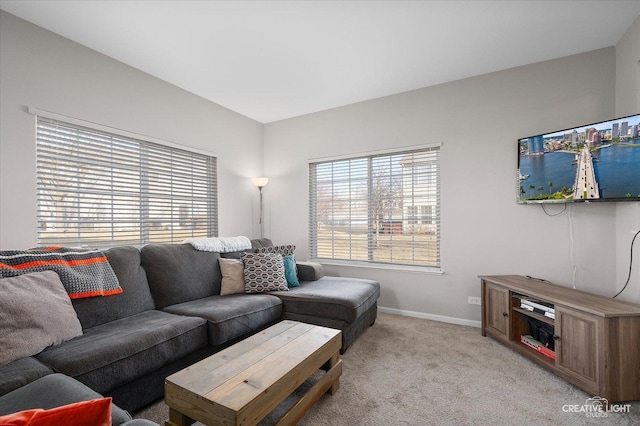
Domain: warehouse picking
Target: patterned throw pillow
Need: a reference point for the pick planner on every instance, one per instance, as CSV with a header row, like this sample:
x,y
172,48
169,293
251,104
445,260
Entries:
x,y
286,250
263,272
290,268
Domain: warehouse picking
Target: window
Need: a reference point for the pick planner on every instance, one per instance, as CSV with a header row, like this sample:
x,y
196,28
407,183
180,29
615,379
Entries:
x,y
100,189
378,208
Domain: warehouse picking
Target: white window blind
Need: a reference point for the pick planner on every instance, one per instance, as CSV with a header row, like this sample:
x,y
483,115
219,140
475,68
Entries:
x,y
100,189
378,208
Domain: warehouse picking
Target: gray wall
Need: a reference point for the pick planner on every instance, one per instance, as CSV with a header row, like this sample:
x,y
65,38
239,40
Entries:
x,y
628,71
478,120
628,214
484,230
43,70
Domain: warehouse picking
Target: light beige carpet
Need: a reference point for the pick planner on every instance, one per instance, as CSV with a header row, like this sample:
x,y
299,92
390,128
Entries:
x,y
409,371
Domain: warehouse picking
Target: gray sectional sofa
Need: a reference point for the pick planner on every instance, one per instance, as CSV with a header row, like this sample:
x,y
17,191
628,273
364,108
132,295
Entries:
x,y
170,315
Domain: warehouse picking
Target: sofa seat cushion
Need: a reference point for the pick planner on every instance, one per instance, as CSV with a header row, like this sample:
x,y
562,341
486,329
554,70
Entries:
x,y
233,315
333,298
20,372
53,391
115,353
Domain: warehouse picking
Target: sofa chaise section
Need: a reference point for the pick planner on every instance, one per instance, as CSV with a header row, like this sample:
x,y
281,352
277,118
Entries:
x,y
348,304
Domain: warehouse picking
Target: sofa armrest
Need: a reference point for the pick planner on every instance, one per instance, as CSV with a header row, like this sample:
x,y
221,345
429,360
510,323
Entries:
x,y
309,271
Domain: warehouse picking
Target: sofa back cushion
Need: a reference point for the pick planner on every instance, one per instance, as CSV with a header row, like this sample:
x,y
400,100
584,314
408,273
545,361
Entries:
x,y
260,243
255,246
135,298
179,273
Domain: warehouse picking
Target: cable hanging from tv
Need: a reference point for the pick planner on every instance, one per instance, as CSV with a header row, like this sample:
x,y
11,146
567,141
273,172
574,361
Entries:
x,y
630,266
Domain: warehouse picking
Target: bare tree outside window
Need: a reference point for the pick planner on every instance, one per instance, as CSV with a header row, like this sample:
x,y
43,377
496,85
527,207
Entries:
x,y
386,201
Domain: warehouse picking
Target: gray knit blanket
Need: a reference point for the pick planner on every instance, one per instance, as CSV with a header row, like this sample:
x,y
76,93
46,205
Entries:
x,y
83,272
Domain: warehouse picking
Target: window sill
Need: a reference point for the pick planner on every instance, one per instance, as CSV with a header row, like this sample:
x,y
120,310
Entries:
x,y
384,266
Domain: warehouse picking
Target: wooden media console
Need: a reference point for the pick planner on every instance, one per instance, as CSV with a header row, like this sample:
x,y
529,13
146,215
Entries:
x,y
596,339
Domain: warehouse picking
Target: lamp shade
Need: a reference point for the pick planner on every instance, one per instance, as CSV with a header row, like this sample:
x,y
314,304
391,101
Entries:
x,y
260,181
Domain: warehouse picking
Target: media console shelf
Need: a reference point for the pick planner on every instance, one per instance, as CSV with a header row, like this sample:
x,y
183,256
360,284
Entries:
x,y
596,338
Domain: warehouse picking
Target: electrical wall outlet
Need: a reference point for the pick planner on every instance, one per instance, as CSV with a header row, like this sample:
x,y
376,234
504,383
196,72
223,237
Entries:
x,y
474,300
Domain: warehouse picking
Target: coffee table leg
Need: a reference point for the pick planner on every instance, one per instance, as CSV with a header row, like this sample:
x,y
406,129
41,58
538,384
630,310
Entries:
x,y
178,419
336,383
329,383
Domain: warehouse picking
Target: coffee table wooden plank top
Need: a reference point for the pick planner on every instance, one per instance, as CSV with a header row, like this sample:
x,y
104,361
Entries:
x,y
243,383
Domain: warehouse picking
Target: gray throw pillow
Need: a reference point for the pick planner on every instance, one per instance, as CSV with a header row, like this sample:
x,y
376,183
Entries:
x,y
35,312
263,272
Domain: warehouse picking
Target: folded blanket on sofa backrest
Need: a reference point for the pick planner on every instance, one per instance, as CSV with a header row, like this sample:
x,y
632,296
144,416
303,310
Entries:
x,y
83,272
220,244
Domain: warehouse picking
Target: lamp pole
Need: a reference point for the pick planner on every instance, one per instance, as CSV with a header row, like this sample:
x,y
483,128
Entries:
x,y
260,189
261,182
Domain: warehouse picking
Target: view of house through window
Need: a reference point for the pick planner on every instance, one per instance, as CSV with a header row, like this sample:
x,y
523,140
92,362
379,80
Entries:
x,y
99,189
380,208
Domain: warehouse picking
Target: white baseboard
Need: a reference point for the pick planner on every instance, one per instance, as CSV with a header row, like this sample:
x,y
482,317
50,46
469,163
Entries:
x,y
422,315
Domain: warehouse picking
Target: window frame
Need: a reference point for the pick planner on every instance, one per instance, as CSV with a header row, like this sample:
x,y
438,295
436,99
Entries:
x,y
426,216
158,192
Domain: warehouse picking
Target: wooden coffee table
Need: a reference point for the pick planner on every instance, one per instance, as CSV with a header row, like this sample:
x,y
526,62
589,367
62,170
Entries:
x,y
243,383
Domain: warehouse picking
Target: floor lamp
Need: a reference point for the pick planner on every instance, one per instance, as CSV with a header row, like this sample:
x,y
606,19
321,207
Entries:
x,y
260,182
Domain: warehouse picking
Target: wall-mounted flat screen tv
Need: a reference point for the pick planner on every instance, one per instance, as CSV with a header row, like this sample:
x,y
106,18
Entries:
x,y
596,162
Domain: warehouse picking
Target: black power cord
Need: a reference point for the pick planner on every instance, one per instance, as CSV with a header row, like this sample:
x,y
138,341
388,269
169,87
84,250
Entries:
x,y
630,266
554,214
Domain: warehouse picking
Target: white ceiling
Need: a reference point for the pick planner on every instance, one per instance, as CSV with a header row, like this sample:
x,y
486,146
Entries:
x,y
271,60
